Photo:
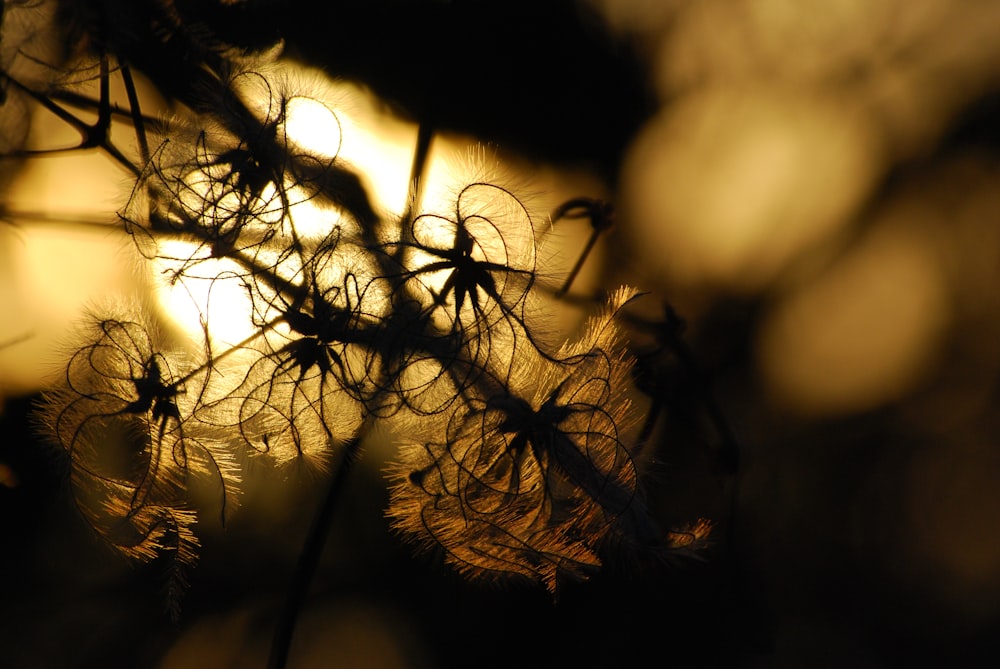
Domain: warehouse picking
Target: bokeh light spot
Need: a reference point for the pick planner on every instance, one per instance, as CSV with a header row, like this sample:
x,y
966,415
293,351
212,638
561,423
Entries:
x,y
862,333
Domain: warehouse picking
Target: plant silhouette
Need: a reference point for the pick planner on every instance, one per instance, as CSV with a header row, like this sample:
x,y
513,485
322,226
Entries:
x,y
517,450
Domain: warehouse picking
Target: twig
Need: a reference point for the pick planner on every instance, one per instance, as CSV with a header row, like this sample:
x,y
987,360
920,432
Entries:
x,y
305,568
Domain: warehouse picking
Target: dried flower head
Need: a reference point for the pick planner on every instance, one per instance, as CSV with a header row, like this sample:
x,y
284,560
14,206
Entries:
x,y
532,478
123,415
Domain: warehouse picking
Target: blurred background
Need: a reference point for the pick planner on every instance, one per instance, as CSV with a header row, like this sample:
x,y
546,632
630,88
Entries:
x,y
814,187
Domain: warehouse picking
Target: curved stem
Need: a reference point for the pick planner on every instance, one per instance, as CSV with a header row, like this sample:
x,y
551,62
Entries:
x,y
305,568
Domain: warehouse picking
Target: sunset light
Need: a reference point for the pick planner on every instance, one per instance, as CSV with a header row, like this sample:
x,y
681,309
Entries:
x,y
576,333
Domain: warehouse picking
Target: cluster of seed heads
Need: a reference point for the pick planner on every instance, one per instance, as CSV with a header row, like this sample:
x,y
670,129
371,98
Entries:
x,y
517,442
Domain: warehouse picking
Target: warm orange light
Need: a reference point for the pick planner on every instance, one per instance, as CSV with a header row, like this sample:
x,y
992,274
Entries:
x,y
210,295
727,188
54,274
861,334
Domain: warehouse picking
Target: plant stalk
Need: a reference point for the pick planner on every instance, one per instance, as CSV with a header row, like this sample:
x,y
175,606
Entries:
x,y
308,560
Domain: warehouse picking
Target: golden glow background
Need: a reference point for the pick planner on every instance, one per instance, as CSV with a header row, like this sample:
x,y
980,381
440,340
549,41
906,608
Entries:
x,y
816,189
831,169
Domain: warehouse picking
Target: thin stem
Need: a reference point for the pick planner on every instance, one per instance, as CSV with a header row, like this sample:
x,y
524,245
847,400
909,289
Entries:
x,y
84,102
579,263
99,133
92,136
214,360
669,334
308,560
46,218
17,339
425,135
601,215
137,120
